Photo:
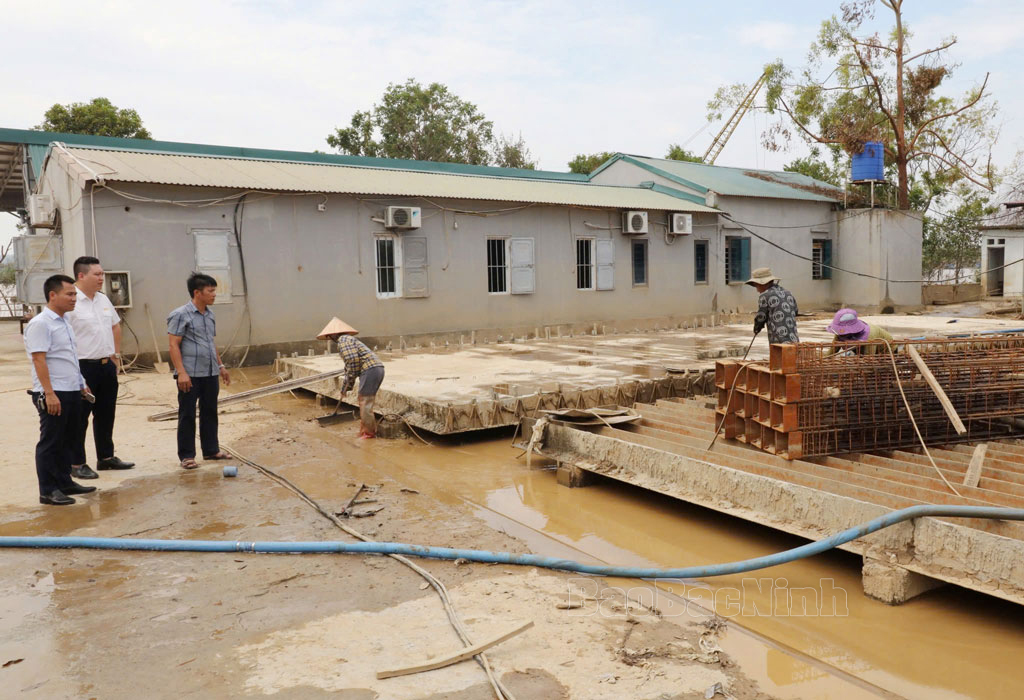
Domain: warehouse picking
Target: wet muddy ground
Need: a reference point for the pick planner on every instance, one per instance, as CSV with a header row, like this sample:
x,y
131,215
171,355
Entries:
x,y
123,624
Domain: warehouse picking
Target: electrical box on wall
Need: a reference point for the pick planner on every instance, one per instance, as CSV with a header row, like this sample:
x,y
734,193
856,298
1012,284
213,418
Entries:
x,y
41,212
117,285
36,258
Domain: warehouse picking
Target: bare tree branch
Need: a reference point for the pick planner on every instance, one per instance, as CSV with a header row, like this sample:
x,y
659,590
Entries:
x,y
873,46
925,124
925,53
969,175
878,90
810,134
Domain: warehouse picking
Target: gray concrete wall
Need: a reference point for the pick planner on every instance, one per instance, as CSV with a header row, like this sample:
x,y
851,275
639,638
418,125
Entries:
x,y
305,266
807,219
876,242
882,243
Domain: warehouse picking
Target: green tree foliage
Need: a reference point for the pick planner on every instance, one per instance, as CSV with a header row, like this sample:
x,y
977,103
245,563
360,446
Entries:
x,y
97,118
428,123
586,163
677,152
953,240
814,165
7,274
511,152
862,87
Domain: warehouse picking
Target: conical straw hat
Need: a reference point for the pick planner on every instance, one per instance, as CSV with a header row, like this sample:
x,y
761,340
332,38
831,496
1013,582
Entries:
x,y
336,326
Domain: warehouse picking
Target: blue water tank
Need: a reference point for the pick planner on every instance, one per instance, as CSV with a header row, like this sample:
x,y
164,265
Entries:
x,y
869,164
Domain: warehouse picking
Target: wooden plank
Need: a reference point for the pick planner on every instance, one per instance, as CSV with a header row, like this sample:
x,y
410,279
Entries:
x,y
462,655
958,424
974,469
260,393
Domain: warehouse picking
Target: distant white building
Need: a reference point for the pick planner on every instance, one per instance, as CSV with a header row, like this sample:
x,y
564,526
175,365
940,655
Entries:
x,y
1002,243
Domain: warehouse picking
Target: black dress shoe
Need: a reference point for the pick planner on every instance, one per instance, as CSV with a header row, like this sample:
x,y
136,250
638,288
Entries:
x,y
113,463
56,498
76,489
84,472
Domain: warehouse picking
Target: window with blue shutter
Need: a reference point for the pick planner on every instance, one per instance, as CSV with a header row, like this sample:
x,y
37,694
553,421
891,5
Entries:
x,y
737,259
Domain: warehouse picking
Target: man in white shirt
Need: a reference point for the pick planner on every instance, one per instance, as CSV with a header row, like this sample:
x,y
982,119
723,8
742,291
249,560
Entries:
x,y
98,339
57,391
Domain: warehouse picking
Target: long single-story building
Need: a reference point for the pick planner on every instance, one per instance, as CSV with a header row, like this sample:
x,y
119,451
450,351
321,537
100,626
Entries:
x,y
409,248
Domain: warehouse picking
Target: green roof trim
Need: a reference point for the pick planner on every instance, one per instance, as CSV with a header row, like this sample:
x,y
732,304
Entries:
x,y
678,194
651,169
45,138
667,175
743,182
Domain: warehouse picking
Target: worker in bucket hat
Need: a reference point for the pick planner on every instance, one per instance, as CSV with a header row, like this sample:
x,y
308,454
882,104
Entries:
x,y
849,328
361,363
776,307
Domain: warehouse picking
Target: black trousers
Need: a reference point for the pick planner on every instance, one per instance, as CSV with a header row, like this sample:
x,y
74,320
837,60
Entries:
x,y
204,391
57,435
102,380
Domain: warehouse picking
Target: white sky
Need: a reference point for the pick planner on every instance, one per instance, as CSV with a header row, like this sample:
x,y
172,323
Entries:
x,y
570,77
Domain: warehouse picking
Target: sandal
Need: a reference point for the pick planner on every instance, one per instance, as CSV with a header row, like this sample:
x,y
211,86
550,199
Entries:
x,y
189,464
219,455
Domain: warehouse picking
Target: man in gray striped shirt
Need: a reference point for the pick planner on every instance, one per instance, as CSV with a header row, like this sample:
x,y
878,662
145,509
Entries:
x,y
191,330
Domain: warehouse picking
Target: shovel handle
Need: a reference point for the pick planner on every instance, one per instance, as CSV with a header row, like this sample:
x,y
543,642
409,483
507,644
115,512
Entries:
x,y
152,332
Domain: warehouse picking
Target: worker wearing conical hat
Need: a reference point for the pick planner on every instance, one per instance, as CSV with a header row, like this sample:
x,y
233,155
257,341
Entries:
x,y
776,307
361,363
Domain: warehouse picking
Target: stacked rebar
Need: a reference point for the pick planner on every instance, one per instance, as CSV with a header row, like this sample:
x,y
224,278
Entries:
x,y
822,399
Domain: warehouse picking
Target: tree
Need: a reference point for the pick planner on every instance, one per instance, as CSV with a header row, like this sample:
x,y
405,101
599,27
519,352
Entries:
x,y
585,163
677,152
814,165
427,123
97,118
953,240
512,152
860,88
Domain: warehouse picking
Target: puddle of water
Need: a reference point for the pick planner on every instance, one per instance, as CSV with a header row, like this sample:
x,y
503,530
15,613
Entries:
x,y
948,644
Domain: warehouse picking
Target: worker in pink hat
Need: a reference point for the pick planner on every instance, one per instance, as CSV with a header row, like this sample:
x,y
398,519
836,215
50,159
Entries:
x,y
360,362
849,328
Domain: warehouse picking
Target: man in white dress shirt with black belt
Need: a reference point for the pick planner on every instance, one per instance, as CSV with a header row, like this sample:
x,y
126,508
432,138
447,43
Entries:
x,y
98,339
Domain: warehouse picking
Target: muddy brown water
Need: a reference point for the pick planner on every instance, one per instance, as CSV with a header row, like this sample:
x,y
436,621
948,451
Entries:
x,y
949,643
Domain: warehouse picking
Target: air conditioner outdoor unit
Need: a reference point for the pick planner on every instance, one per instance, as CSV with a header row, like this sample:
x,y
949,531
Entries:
x,y
634,222
682,223
402,217
41,213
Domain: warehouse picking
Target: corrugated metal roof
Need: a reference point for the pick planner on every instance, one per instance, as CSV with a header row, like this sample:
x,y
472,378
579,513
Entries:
x,y
740,182
198,171
45,138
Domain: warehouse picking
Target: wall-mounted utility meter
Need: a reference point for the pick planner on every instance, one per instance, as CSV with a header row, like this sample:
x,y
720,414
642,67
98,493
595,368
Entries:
x,y
118,288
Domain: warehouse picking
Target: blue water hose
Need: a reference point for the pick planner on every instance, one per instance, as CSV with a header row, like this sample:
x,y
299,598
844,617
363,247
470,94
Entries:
x,y
688,572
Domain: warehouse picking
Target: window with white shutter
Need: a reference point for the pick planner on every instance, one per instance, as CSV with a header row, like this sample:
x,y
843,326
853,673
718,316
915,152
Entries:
x,y
213,259
416,282
521,266
604,258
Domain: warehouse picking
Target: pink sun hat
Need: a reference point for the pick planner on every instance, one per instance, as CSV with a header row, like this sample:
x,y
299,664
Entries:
x,y
846,322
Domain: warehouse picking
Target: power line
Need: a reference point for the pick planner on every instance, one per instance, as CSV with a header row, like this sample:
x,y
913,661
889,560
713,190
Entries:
x,y
854,272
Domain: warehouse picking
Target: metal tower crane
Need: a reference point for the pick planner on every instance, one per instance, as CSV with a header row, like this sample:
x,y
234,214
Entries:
x,y
730,126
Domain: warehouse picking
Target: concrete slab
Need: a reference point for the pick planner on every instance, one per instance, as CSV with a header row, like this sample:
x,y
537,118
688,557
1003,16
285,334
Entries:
x,y
458,386
666,453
